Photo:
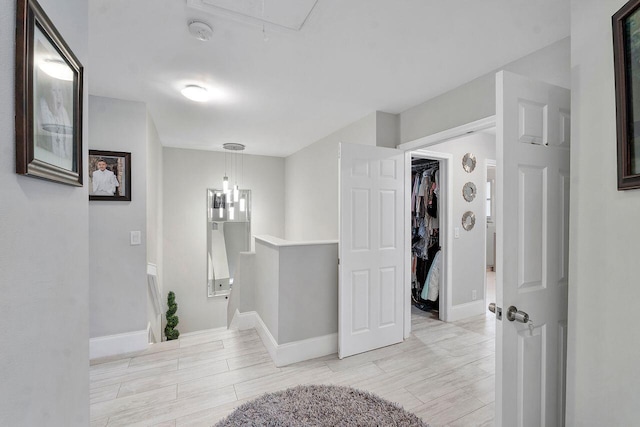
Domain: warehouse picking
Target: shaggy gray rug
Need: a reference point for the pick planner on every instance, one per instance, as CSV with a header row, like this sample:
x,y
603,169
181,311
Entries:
x,y
320,405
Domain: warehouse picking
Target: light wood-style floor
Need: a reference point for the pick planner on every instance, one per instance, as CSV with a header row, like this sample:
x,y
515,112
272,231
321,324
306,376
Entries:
x,y
444,373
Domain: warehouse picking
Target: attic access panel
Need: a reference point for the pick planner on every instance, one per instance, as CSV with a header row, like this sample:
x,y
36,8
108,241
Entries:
x,y
290,14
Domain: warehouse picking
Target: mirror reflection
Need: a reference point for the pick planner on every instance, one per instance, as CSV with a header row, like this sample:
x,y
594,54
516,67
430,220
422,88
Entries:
x,y
228,234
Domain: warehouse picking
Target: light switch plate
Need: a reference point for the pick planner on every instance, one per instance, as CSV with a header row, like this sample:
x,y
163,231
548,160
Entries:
x,y
135,238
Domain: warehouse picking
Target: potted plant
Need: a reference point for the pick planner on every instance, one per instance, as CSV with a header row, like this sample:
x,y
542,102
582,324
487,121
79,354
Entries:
x,y
172,320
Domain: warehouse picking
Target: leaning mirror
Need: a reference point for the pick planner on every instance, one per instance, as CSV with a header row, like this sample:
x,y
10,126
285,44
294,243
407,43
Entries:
x,y
228,234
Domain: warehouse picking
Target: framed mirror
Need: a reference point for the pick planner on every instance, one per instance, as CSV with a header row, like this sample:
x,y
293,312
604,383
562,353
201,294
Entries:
x,y
469,191
469,162
228,234
468,220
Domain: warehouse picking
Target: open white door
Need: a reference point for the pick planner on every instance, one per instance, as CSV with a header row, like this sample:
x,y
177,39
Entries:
x,y
371,249
532,126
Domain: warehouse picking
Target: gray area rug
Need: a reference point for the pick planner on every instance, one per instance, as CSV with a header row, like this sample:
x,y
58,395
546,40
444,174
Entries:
x,y
320,405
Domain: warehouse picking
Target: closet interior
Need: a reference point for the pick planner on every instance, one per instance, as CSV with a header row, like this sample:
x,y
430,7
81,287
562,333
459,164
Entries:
x,y
426,254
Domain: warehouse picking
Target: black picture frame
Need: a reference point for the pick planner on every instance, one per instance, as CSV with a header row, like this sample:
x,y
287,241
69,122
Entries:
x,y
117,165
626,59
48,100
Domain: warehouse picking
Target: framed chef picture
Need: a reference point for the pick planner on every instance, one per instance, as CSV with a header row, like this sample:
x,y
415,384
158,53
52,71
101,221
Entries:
x,y
109,175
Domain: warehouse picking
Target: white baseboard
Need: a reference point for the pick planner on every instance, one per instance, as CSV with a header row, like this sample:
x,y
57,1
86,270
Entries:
x,y
111,345
291,352
244,321
462,311
309,348
266,337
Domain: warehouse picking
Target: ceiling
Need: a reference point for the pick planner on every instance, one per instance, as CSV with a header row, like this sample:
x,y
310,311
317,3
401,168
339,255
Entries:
x,y
290,72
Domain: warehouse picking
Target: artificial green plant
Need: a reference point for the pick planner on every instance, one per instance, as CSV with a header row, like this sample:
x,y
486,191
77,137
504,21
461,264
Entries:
x,y
172,320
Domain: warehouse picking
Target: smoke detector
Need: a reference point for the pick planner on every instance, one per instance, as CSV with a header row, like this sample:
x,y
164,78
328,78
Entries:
x,y
200,30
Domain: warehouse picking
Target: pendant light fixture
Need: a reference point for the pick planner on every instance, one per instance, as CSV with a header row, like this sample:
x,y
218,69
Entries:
x,y
232,195
243,198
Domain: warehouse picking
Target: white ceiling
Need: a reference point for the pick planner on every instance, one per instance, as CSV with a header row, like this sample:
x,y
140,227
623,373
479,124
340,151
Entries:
x,y
285,88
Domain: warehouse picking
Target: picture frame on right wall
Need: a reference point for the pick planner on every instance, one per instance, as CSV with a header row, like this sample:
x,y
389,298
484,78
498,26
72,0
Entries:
x,y
626,56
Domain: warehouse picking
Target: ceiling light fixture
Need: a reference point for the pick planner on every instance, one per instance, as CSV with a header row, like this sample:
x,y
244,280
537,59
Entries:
x,y
196,93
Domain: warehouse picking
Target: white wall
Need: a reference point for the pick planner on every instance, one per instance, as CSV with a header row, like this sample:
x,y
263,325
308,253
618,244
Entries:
x,y
309,306
154,196
477,99
468,250
266,285
387,129
187,175
312,176
154,219
294,288
604,289
118,271
43,261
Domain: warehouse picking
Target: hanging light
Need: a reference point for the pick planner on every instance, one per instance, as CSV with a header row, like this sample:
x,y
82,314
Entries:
x,y
235,193
232,195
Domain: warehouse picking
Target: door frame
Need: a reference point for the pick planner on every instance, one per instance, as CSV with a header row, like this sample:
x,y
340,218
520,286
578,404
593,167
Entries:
x,y
494,164
445,212
420,146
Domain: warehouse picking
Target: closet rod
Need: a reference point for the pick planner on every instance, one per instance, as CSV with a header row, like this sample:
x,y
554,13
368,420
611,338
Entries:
x,y
424,166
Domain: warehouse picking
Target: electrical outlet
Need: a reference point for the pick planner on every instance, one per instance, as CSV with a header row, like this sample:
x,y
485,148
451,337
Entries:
x,y
474,295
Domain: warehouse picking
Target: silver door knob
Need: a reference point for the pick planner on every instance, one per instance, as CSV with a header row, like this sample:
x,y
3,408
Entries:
x,y
519,316
492,307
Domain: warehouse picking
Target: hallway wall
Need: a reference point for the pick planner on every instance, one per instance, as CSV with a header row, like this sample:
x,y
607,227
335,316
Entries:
x,y
469,249
604,339
154,221
312,176
187,175
476,99
43,260
118,270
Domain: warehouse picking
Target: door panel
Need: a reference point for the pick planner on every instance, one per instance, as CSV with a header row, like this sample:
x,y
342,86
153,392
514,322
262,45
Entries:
x,y
531,227
533,139
371,309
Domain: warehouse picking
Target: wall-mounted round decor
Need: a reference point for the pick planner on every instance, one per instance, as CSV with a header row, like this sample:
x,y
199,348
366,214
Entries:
x,y
469,162
469,191
468,220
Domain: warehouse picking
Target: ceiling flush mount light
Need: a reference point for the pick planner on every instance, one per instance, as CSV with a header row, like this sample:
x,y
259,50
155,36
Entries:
x,y
196,93
200,30
56,68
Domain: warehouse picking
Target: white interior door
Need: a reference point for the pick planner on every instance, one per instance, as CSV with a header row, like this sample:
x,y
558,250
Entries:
x,y
532,125
371,250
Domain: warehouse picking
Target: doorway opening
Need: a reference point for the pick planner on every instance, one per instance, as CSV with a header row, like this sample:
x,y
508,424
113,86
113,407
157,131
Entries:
x,y
464,185
426,250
